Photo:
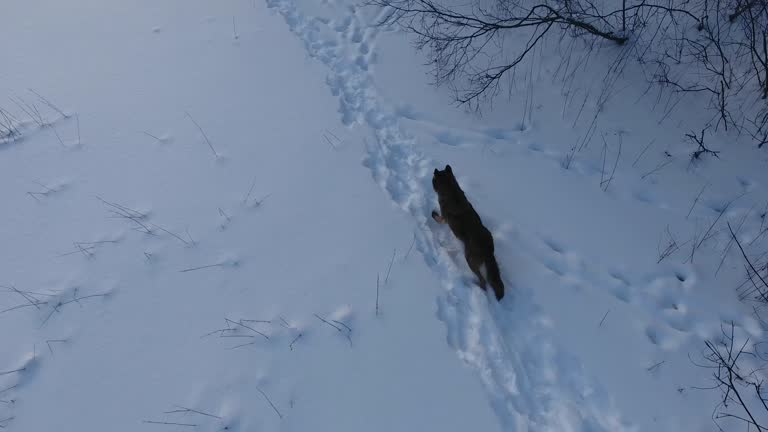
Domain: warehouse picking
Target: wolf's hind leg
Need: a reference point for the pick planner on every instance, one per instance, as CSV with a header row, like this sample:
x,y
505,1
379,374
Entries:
x,y
436,216
474,264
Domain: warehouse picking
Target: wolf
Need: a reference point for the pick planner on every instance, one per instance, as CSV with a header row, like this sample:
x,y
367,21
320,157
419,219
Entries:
x,y
465,223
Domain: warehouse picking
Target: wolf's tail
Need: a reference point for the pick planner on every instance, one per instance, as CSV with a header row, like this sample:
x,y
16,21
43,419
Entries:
x,y
494,277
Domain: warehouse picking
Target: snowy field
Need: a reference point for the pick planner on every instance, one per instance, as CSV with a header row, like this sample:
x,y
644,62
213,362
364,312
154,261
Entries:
x,y
217,217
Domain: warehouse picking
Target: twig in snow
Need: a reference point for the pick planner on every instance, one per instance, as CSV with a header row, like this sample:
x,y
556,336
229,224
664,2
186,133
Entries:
x,y
604,316
256,321
270,402
134,216
386,278
294,340
30,110
657,169
604,154
85,297
152,136
13,371
49,103
48,342
763,294
234,29
33,293
54,309
11,131
169,423
329,141
47,189
656,365
261,201
215,153
219,331
47,192
228,321
643,152
32,301
12,308
337,327
32,194
706,235
671,248
173,234
343,325
74,300
333,135
695,201
85,248
201,267
80,250
241,345
181,409
377,294
702,150
86,253
121,209
325,321
284,323
97,242
605,184
56,132
569,158
189,236
411,247
248,195
730,241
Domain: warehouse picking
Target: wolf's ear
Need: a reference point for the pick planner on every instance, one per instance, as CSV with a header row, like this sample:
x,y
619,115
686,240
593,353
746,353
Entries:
x,y
448,169
436,172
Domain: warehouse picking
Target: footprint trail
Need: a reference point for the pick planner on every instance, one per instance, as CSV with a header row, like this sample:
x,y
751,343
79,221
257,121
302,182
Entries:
x,y
531,384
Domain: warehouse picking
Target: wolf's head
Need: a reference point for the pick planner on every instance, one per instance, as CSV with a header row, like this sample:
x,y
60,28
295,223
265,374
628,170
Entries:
x,y
443,181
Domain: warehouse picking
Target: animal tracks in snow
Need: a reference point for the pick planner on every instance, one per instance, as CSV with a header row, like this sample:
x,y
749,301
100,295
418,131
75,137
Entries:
x,y
518,141
662,296
510,351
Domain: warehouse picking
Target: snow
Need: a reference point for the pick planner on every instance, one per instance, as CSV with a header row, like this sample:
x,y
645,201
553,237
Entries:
x,y
223,221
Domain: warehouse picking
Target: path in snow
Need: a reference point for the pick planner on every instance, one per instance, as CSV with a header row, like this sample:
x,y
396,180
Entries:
x,y
532,386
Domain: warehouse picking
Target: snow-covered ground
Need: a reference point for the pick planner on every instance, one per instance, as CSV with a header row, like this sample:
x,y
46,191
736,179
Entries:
x,y
216,217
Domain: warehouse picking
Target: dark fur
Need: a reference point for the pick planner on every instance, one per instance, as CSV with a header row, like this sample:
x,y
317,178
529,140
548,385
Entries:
x,y
458,213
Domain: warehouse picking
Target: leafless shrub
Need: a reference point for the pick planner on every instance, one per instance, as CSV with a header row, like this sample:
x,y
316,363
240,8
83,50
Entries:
x,y
718,49
737,375
736,362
